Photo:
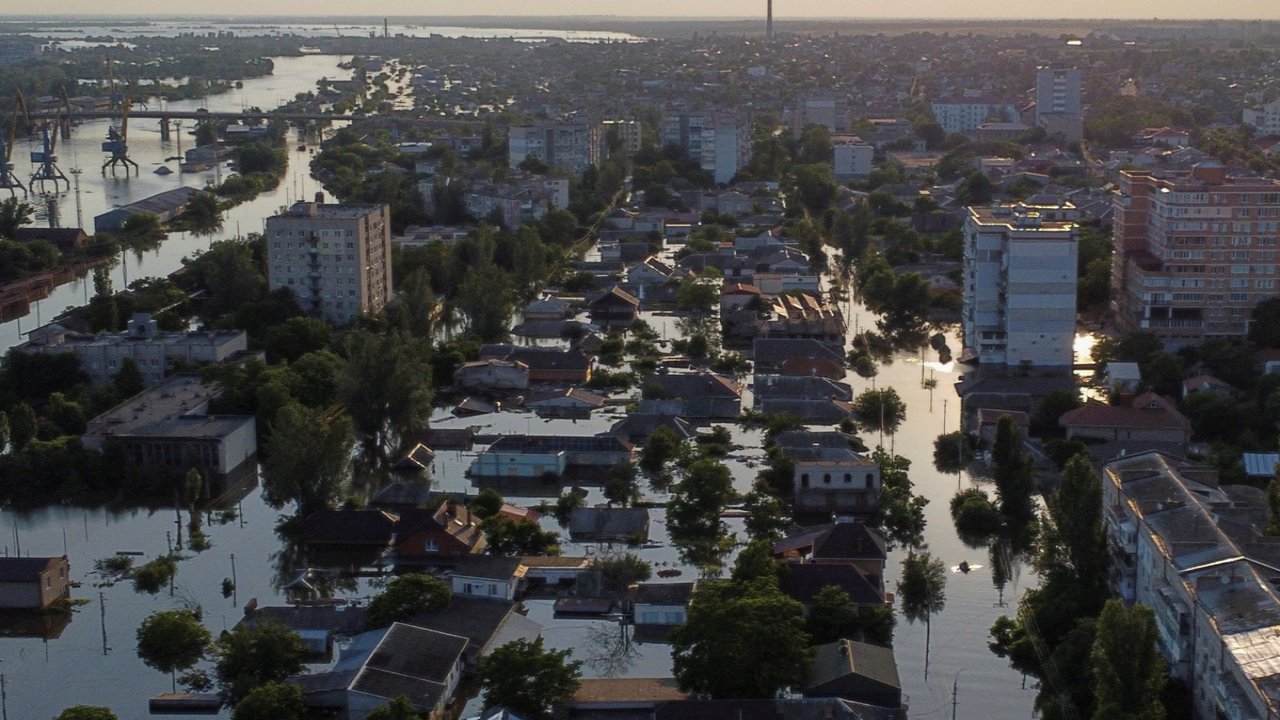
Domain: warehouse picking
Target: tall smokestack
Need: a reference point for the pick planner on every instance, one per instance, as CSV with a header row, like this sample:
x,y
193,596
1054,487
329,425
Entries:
x,y
768,22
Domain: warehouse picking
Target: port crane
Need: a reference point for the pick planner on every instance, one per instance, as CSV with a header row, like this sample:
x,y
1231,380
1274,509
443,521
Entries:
x,y
8,180
47,170
117,142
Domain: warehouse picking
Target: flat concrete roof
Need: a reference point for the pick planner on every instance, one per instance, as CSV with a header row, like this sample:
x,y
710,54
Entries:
x,y
175,409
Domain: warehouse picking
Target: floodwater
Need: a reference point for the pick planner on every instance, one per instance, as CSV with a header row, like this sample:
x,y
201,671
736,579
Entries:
x,y
98,193
34,667
343,28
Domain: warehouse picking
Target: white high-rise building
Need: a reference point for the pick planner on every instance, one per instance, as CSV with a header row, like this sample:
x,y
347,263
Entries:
x,y
720,144
558,144
1058,102
335,258
1020,285
851,159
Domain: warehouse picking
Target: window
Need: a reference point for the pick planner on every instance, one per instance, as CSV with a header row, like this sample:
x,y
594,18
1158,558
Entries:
x,y
432,545
804,480
826,479
870,481
493,588
848,478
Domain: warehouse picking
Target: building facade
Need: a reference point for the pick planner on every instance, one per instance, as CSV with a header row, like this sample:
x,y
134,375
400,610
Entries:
x,y
558,144
852,159
966,113
1194,252
1019,287
1058,102
720,143
336,259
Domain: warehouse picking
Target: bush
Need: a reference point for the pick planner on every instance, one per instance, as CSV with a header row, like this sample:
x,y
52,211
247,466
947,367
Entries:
x,y
154,575
952,451
974,514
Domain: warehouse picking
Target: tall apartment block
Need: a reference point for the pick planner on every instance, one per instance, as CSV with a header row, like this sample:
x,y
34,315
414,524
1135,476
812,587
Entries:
x,y
720,143
558,144
1058,102
335,258
1194,252
1020,285
627,133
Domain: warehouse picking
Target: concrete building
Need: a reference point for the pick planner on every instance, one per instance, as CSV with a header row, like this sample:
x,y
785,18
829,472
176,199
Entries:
x,y
32,583
829,111
165,206
336,259
558,144
1264,118
1019,287
1194,252
1194,552
169,428
1058,102
852,160
720,143
153,351
627,133
966,112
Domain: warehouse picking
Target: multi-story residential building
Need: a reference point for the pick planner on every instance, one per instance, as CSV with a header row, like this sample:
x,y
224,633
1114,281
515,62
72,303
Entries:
x,y
558,144
1264,118
1193,552
1058,102
967,112
1019,286
720,143
336,259
626,132
1194,252
518,201
153,351
829,111
852,159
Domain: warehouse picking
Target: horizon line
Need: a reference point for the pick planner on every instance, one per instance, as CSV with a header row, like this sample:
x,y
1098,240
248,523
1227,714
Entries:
x,y
5,17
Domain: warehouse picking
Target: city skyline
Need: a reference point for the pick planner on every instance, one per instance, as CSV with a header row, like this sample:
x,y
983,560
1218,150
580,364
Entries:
x,y
855,9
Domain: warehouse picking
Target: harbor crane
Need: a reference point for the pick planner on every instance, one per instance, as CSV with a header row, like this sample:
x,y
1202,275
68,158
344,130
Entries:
x,y
8,180
46,160
117,142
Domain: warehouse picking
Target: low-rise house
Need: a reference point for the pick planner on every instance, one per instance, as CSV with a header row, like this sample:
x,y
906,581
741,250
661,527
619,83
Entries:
x,y
349,529
812,399
650,271
775,709
487,624
570,403
701,395
777,283
850,543
424,666
445,534
1124,376
488,577
316,625
609,524
988,420
554,570
1260,466
533,456
636,427
737,296
614,307
546,364
856,671
1206,384
65,239
661,603
803,581
788,356
636,696
492,375
1149,418
833,481
33,583
803,315
547,307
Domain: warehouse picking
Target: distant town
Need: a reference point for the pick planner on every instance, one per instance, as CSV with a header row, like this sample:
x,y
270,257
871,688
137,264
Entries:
x,y
768,370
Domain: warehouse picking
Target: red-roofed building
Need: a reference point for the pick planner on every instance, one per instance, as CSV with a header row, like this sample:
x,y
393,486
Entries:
x,y
1149,418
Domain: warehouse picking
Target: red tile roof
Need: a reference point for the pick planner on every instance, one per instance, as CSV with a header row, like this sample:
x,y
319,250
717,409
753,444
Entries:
x,y
1148,410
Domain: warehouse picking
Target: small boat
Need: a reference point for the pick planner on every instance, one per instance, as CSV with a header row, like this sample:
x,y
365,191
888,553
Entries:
x,y
651,544
963,566
302,148
669,572
163,170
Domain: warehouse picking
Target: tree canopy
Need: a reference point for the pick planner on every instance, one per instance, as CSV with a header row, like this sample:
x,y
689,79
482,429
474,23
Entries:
x,y
406,596
171,640
249,656
526,677
272,701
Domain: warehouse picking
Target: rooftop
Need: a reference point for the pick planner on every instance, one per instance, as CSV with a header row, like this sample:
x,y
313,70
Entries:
x,y
1018,218
174,409
326,210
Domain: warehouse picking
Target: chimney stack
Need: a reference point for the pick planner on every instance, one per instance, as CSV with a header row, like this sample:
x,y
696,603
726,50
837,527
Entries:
x,y
768,22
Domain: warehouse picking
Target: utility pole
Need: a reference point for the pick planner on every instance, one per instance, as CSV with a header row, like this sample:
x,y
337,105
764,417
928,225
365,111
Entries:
x,y
102,611
234,598
75,173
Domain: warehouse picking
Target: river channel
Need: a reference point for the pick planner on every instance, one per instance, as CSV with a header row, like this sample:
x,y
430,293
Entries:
x,y
92,660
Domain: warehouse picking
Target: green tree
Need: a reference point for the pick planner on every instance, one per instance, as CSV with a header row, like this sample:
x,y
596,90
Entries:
x,y
129,380
833,615
202,214
406,596
952,451
621,486
417,304
386,384
768,516
485,297
755,562
1128,673
142,231
519,537
901,512
155,574
620,571
661,448
273,701
487,503
528,678
696,295
1073,539
975,516
693,513
1013,472
1264,326
4,432
922,589
86,712
1273,504
249,656
879,411
741,640
172,640
103,314
400,708
308,459
296,337
14,214
1044,421
22,425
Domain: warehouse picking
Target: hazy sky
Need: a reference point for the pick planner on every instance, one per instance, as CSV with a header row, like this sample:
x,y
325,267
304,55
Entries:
x,y
1168,9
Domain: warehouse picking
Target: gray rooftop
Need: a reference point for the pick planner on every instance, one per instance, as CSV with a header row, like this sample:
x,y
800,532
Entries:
x,y
174,409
